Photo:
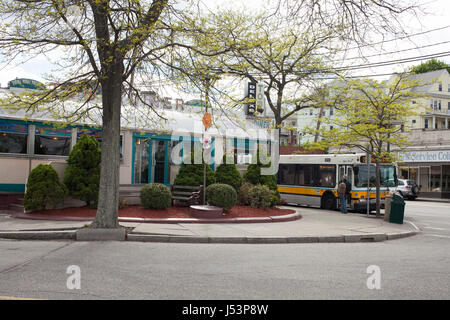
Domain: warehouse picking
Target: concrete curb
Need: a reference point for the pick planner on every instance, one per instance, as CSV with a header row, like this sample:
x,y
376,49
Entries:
x,y
352,238
281,218
120,235
39,235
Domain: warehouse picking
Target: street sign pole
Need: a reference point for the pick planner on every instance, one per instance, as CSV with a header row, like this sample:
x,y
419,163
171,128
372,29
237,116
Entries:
x,y
368,184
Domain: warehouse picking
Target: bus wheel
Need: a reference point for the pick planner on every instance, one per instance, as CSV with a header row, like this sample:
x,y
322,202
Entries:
x,y
328,201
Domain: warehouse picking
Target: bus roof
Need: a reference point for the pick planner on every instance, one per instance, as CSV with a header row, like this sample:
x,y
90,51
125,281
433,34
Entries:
x,y
353,158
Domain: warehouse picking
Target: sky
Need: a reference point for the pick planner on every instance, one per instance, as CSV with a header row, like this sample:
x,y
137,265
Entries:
x,y
429,36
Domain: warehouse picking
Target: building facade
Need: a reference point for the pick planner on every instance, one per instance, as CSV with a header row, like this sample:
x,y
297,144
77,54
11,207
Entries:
x,y
151,151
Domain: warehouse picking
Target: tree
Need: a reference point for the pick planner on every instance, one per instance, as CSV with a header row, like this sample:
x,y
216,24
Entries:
x,y
371,116
82,176
430,65
290,49
102,43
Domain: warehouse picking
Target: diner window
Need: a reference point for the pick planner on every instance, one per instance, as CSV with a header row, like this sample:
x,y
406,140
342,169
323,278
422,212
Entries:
x,y
58,146
13,142
52,141
13,138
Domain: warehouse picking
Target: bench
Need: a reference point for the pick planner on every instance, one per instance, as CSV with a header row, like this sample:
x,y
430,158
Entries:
x,y
187,195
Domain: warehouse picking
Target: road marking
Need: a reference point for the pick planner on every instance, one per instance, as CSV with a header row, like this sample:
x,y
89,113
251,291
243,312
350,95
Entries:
x,y
417,228
437,235
16,298
432,228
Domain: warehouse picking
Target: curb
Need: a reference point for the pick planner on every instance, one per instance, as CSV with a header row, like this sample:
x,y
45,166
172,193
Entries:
x,y
353,238
281,218
39,235
75,235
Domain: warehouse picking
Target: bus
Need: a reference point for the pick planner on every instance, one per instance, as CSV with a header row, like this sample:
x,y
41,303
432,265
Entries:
x,y
312,180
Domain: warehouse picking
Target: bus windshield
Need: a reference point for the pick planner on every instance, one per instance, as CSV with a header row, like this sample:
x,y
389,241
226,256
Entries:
x,y
388,175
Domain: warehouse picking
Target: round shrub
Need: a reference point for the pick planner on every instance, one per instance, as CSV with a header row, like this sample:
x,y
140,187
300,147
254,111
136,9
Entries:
x,y
229,174
261,196
156,196
244,197
43,188
221,195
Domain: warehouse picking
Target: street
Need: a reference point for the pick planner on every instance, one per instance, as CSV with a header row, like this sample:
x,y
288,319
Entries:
x,y
412,268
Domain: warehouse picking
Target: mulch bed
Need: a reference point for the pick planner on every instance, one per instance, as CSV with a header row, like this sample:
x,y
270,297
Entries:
x,y
172,212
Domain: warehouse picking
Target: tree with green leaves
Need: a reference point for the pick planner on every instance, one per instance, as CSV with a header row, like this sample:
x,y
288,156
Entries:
x,y
430,65
370,116
82,176
100,44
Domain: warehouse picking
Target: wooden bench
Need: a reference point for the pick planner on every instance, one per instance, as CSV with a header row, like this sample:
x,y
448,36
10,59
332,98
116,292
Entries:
x,y
187,195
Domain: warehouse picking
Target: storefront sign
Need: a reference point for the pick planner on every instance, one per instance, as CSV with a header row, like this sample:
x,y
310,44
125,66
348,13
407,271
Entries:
x,y
251,95
25,83
97,133
425,156
13,127
47,131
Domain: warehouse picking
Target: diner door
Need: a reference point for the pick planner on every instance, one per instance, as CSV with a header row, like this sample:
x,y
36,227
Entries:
x,y
160,166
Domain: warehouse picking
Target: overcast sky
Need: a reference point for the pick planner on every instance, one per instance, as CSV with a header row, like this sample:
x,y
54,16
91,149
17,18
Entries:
x,y
429,43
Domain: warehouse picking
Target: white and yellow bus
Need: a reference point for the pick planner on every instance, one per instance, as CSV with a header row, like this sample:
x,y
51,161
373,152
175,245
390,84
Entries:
x,y
312,180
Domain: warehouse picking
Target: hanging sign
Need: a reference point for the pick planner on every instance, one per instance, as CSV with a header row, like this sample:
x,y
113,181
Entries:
x,y
207,120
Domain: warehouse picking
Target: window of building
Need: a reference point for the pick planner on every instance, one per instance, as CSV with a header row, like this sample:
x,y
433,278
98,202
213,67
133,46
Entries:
x,y
414,121
13,138
440,86
439,104
448,89
331,111
97,133
52,141
426,123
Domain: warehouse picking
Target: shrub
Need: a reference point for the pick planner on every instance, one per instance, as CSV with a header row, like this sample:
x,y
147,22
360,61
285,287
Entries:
x,y
244,194
156,196
221,195
253,176
44,188
229,174
261,196
192,174
82,176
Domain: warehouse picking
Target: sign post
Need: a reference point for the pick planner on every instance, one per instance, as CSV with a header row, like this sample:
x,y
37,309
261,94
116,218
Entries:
x,y
368,184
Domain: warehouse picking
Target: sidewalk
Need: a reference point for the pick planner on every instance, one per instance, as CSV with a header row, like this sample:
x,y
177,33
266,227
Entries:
x,y
314,226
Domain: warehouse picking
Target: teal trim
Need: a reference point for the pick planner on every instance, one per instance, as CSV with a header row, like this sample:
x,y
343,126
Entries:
x,y
150,160
10,187
166,162
152,135
213,154
133,151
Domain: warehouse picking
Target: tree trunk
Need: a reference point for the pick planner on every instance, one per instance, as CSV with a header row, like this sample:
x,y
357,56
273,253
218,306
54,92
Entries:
x,y
108,201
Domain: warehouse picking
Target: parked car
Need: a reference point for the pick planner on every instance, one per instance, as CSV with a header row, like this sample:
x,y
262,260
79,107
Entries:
x,y
408,189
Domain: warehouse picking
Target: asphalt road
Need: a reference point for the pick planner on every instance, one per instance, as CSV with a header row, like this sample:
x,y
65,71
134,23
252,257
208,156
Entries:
x,y
410,268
